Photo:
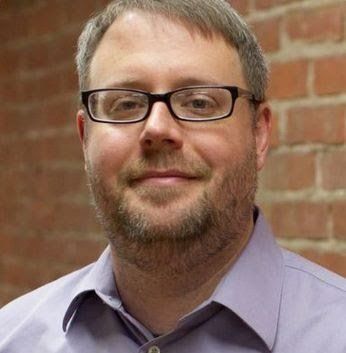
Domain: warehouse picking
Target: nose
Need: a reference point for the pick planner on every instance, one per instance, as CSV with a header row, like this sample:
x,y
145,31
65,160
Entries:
x,y
161,130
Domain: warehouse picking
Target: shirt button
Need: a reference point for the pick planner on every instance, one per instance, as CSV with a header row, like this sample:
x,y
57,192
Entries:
x,y
154,349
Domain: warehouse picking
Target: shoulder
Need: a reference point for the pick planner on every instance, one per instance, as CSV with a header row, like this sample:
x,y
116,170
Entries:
x,y
49,301
299,269
312,306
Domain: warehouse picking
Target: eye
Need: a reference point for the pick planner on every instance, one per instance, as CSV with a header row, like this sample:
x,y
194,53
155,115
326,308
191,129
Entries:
x,y
124,104
199,102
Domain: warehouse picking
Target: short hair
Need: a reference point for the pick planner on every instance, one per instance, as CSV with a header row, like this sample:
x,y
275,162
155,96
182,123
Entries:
x,y
205,16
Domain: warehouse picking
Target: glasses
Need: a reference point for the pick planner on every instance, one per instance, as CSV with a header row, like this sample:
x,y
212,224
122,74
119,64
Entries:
x,y
197,103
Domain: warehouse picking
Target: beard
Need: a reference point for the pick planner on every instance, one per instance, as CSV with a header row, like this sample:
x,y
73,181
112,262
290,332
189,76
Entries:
x,y
216,220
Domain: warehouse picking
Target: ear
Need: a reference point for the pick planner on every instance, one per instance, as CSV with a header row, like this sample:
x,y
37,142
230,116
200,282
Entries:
x,y
82,132
262,133
81,126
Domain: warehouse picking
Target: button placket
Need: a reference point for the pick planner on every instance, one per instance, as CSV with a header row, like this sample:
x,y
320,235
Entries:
x,y
154,349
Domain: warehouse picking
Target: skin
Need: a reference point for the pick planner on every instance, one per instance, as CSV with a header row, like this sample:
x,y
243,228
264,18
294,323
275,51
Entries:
x,y
158,56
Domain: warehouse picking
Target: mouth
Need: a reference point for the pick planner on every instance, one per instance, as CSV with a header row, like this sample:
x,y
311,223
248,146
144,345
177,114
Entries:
x,y
163,178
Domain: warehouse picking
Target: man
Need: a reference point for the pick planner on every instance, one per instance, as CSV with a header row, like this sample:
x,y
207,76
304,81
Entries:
x,y
174,127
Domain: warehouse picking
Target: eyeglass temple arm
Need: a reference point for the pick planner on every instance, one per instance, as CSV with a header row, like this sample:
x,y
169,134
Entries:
x,y
246,94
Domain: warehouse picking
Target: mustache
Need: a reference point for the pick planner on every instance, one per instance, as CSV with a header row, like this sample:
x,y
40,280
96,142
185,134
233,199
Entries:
x,y
165,161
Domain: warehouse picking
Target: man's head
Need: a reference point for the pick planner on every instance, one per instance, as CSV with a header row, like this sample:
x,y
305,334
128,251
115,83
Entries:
x,y
171,193
203,16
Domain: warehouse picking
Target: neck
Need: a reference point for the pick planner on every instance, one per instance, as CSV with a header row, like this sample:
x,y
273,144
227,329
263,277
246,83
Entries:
x,y
160,297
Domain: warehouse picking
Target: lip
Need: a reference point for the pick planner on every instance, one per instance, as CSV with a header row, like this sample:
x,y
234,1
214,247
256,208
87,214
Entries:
x,y
165,177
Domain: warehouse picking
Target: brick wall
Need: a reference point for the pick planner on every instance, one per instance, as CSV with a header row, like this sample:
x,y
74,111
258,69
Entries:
x,y
47,227
303,187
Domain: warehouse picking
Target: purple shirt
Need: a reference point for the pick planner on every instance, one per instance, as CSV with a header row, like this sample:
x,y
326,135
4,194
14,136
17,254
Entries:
x,y
270,301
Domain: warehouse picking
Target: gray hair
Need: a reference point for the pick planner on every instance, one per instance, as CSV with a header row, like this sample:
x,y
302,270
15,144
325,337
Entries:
x,y
206,16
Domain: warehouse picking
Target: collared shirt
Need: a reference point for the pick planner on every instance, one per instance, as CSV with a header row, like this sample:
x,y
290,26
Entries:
x,y
271,300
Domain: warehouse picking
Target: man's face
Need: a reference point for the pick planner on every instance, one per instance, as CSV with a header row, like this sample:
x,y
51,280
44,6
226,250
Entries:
x,y
162,180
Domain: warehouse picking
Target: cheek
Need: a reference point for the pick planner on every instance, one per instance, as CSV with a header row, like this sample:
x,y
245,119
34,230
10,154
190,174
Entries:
x,y
221,147
108,149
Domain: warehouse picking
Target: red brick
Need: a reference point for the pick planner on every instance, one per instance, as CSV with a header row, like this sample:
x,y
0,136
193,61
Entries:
x,y
316,124
333,169
25,152
288,79
41,259
339,219
62,217
45,184
63,48
299,219
289,171
3,113
9,92
315,24
47,18
21,275
26,276
334,261
56,249
9,293
80,10
268,32
11,120
52,185
70,80
52,114
12,6
9,63
46,86
16,27
264,4
13,217
31,274
8,116
36,56
330,75
275,133
44,216
10,190
241,6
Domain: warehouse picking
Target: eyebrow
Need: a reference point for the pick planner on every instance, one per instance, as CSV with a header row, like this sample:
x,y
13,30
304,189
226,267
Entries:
x,y
128,83
177,83
194,81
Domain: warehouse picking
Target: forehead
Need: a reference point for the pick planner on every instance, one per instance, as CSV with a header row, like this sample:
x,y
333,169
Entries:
x,y
145,47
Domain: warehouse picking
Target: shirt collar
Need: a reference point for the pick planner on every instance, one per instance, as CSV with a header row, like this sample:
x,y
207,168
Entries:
x,y
99,279
252,288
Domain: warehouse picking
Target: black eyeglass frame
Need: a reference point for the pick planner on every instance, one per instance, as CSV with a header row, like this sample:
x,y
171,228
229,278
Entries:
x,y
236,92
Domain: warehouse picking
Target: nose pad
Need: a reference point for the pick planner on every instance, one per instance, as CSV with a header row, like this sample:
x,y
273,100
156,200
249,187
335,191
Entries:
x,y
161,129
